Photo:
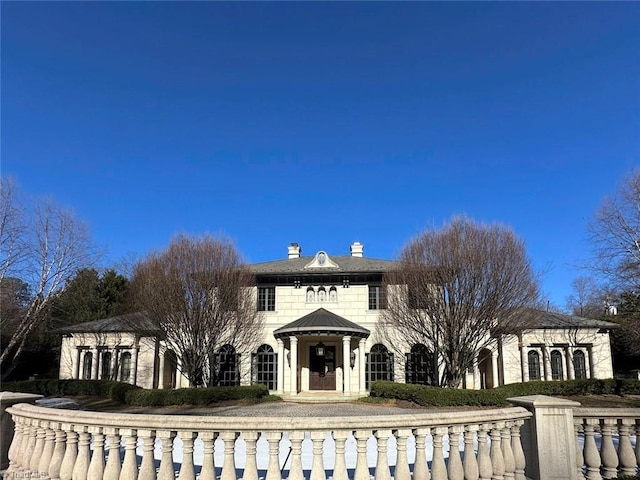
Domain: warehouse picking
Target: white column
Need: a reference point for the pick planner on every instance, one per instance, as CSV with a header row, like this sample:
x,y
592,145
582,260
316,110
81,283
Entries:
x,y
494,369
346,363
78,363
587,367
134,366
524,363
362,371
546,356
293,388
477,385
590,370
569,359
94,365
281,359
161,371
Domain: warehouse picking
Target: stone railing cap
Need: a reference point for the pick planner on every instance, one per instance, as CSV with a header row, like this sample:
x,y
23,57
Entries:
x,y
543,401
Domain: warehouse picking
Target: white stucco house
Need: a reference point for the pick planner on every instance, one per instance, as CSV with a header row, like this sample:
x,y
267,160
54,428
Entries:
x,y
320,318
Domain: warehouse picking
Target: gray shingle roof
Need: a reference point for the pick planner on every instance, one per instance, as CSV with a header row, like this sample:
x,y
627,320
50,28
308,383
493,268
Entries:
x,y
133,322
559,320
321,322
346,264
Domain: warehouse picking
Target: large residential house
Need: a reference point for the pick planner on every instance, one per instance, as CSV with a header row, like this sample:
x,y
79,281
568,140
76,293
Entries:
x,y
320,319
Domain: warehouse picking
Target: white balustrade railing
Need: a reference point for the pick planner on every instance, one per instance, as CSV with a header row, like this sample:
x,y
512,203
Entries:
x,y
61,444
605,442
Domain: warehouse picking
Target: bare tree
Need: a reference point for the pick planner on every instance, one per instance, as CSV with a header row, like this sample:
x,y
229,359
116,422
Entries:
x,y
202,297
456,290
588,298
615,233
45,250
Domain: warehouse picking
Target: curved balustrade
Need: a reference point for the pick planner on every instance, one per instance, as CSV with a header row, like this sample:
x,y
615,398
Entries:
x,y
75,445
598,431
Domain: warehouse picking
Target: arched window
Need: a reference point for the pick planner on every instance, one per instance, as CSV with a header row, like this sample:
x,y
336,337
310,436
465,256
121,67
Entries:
x,y
379,364
125,367
228,365
333,294
579,364
105,366
419,366
533,358
86,365
322,294
556,365
311,294
265,367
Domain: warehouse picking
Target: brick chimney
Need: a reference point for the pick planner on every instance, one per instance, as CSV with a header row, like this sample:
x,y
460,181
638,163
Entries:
x,y
294,250
356,249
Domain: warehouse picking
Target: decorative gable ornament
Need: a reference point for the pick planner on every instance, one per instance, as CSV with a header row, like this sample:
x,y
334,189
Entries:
x,y
321,260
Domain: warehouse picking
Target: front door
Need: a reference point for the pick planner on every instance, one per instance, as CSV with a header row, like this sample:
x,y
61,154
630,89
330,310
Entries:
x,y
322,369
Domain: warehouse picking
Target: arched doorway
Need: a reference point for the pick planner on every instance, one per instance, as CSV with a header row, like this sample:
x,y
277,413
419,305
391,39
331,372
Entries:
x,y
485,365
169,372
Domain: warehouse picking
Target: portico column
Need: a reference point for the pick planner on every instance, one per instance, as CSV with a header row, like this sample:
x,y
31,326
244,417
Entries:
x,y
293,389
161,370
569,357
76,366
494,369
280,378
588,360
362,367
476,374
133,376
524,363
94,365
547,362
346,363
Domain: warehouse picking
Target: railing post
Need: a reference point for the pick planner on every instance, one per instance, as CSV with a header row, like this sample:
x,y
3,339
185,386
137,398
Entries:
x,y
7,399
548,438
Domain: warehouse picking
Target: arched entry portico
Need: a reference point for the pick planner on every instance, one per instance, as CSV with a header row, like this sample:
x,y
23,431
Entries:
x,y
325,353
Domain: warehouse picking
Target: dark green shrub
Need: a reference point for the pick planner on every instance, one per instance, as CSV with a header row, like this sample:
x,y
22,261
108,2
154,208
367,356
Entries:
x,y
50,387
195,396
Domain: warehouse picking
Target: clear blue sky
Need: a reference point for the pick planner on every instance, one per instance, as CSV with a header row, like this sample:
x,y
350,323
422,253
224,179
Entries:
x,y
323,123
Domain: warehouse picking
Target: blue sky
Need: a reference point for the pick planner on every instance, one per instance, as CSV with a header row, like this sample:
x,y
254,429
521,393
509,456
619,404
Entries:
x,y
323,123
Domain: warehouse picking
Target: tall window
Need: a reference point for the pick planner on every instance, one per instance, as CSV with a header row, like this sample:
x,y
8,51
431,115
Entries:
x,y
228,367
533,358
556,365
125,367
379,364
105,368
419,366
377,297
579,364
266,299
87,364
265,367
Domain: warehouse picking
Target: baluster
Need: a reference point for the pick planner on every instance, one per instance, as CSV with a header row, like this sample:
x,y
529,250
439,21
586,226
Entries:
x,y
454,467
591,454
273,468
251,462
402,471
507,453
167,470
148,464
340,466
497,460
47,451
638,442
470,463
96,466
228,465
420,467
58,451
518,453
382,463
81,466
438,467
208,471
129,464
317,466
112,467
608,452
70,453
38,447
625,450
187,470
484,459
362,465
28,446
577,427
16,444
295,470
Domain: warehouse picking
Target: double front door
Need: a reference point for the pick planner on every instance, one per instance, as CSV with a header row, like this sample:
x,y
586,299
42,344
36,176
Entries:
x,y
322,369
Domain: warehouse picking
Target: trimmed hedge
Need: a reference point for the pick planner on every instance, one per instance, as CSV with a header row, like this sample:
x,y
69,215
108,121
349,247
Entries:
x,y
99,388
195,396
448,397
136,396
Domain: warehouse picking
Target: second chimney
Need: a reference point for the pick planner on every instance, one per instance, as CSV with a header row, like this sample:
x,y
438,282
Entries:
x,y
356,249
294,250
